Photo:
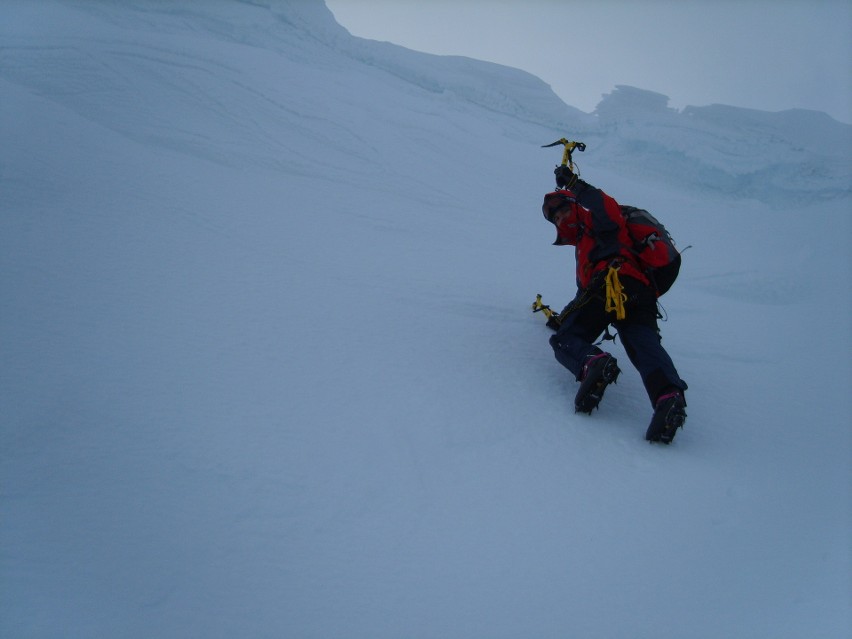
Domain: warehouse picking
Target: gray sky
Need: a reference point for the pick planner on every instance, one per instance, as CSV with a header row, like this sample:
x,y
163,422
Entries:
x,y
763,54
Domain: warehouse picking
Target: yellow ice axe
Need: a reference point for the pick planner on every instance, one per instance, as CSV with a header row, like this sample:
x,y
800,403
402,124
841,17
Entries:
x,y
569,145
538,307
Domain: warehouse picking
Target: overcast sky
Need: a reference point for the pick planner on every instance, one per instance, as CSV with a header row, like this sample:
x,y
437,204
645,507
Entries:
x,y
763,54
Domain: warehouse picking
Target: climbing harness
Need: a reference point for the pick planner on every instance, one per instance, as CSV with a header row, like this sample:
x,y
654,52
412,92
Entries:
x,y
615,295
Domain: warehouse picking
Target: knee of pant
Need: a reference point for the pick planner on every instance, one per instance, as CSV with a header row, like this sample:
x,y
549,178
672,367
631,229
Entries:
x,y
555,344
640,335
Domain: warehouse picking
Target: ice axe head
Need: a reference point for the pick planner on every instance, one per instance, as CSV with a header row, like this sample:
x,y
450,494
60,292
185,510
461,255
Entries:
x,y
569,146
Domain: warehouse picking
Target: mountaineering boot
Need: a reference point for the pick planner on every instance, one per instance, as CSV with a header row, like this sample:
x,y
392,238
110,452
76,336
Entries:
x,y
598,372
669,415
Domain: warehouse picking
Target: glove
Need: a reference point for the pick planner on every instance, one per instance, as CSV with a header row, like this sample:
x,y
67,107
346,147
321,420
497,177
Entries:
x,y
565,178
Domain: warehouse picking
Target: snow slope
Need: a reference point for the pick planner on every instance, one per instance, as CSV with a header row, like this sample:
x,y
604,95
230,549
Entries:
x,y
269,368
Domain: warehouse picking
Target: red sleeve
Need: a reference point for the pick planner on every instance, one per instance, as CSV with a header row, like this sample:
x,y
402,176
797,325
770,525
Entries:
x,y
604,220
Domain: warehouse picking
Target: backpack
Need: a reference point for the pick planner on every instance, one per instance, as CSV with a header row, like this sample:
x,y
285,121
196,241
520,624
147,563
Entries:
x,y
653,246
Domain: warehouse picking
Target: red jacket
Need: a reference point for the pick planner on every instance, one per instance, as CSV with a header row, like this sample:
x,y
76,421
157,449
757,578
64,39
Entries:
x,y
595,226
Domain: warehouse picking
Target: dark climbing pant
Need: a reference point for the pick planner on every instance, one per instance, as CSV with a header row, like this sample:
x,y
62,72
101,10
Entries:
x,y
573,343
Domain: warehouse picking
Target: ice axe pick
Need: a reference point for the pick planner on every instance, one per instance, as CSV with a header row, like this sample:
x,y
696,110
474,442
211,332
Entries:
x,y
569,145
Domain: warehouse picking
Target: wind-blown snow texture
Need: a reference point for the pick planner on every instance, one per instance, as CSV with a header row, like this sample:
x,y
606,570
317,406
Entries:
x,y
269,370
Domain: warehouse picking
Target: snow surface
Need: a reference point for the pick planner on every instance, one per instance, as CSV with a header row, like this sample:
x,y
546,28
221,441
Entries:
x,y
269,368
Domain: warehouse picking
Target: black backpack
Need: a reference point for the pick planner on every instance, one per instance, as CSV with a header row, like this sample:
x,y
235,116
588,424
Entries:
x,y
649,236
